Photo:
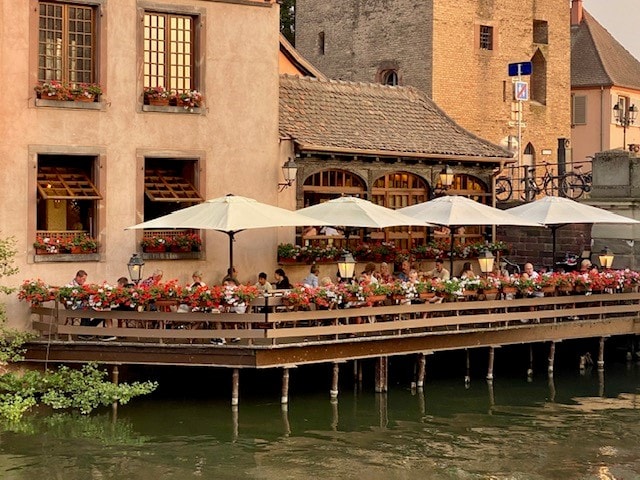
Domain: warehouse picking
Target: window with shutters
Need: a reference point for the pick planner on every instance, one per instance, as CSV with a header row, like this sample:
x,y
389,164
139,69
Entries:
x,y
579,110
67,199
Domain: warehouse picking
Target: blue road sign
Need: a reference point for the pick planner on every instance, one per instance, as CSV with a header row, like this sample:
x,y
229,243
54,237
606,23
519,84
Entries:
x,y
520,68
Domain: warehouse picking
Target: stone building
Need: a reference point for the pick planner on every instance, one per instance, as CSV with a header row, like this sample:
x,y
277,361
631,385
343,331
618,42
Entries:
x,y
457,53
605,89
383,143
97,167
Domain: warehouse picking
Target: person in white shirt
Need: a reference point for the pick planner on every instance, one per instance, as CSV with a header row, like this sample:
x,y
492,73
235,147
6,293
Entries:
x,y
263,286
529,272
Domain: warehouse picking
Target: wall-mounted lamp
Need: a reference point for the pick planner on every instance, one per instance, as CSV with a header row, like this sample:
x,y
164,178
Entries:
x,y
445,180
606,258
135,268
289,171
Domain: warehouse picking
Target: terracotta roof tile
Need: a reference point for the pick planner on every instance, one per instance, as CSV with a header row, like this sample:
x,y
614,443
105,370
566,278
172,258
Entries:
x,y
365,117
598,59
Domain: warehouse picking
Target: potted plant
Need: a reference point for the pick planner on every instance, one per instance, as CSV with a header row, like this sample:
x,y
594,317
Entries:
x,y
85,92
158,96
46,245
53,90
190,100
287,253
154,244
36,292
82,243
179,243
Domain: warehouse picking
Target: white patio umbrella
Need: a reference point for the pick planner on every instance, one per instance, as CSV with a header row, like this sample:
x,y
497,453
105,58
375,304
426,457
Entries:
x,y
456,211
356,212
555,212
230,214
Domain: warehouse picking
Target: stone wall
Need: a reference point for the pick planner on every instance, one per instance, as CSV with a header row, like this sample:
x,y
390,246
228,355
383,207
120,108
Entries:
x,y
616,187
432,44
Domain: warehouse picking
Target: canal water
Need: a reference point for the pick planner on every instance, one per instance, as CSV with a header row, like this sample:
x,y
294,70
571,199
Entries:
x,y
574,426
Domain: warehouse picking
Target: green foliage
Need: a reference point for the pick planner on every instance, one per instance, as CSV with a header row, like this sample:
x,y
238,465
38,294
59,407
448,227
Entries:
x,y
66,388
7,268
288,19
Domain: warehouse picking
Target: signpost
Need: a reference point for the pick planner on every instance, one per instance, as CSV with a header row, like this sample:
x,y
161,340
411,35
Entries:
x,y
520,94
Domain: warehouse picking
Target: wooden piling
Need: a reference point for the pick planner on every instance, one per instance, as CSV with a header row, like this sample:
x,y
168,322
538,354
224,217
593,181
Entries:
x,y
491,360
552,355
284,398
422,367
235,387
381,375
115,375
530,369
467,377
601,354
334,380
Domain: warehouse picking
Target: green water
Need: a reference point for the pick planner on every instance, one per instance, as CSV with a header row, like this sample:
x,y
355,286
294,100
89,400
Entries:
x,y
577,427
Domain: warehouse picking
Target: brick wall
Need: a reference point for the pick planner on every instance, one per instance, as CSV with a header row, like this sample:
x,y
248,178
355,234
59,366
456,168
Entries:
x,y
433,44
533,244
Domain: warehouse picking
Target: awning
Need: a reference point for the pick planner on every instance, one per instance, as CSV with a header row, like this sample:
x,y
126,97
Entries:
x,y
66,184
166,186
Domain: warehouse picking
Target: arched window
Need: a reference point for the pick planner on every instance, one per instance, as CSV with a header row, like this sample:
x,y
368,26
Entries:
x,y
397,190
539,78
328,184
390,77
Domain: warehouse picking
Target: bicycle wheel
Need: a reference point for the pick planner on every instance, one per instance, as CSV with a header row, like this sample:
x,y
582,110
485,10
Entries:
x,y
551,186
571,186
503,189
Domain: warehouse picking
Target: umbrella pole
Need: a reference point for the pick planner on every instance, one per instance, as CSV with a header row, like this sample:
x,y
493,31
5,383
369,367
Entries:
x,y
231,240
451,230
553,249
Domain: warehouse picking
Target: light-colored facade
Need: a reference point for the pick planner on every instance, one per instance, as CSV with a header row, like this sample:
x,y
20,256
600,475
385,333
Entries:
x,y
457,53
604,75
229,145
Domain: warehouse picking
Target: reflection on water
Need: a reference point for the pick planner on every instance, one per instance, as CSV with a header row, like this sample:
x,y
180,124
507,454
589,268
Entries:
x,y
549,428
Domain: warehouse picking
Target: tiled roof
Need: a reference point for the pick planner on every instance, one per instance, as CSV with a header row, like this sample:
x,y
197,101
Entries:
x,y
372,119
598,59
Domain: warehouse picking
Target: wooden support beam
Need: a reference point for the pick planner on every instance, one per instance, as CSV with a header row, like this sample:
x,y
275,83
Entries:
x,y
381,374
235,387
115,375
530,369
467,377
492,355
284,398
601,354
422,367
552,355
334,380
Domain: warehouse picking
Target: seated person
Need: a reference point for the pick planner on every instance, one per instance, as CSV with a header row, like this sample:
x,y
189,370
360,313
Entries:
x,y
154,279
439,271
197,280
309,232
330,232
262,285
231,277
467,271
312,280
529,272
282,281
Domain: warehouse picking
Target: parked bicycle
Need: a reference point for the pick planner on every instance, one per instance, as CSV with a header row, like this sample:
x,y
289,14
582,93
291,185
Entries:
x,y
587,178
532,185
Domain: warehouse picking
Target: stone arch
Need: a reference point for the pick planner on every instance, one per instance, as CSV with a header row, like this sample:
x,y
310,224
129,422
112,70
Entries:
x,y
330,183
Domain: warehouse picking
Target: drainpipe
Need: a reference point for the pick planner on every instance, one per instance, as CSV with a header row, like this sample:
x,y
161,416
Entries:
x,y
602,119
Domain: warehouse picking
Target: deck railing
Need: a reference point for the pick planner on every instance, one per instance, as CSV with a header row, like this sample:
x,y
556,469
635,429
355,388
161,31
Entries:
x,y
273,328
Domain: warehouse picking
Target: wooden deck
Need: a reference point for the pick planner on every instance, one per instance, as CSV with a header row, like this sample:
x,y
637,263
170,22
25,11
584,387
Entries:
x,y
286,339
